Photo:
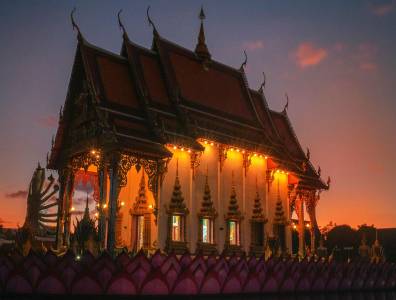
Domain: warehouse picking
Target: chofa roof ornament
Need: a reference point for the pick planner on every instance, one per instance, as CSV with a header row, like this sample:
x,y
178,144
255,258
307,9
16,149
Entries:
x,y
121,26
74,24
151,23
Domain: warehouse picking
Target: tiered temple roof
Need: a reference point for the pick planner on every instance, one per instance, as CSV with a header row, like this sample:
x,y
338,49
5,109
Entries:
x,y
142,99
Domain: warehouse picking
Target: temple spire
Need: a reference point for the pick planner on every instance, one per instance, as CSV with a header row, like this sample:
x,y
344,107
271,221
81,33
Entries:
x,y
201,49
280,217
257,209
86,211
207,207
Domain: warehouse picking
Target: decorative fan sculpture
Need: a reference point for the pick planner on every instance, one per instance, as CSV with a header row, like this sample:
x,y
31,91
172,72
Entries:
x,y
40,199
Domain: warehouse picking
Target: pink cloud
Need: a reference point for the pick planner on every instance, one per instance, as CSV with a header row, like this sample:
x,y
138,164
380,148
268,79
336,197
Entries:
x,y
17,194
366,56
368,66
48,121
382,9
308,55
253,45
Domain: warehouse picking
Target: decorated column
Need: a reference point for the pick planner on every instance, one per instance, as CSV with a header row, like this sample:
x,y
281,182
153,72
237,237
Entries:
x,y
311,201
115,185
301,228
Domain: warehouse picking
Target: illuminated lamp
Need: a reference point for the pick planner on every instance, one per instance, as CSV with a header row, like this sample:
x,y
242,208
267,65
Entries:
x,y
122,203
189,151
98,205
266,157
294,226
211,143
72,209
261,155
96,214
78,257
97,156
277,171
243,151
182,149
206,142
308,225
93,152
150,206
238,150
174,147
105,205
255,154
232,149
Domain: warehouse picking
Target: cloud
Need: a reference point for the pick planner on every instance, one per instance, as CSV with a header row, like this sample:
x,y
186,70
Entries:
x,y
48,121
383,8
308,55
366,56
253,45
17,194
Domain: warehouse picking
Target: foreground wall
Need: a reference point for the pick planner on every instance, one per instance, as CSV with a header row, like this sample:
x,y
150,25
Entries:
x,y
164,275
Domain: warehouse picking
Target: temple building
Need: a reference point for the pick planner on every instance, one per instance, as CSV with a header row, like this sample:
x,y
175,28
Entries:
x,y
182,153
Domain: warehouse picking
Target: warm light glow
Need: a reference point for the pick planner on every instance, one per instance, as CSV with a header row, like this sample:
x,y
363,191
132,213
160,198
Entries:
x,y
211,143
98,205
238,150
206,142
255,154
104,205
72,209
232,149
174,147
96,215
266,157
277,171
189,151
294,226
308,225
150,206
122,203
93,152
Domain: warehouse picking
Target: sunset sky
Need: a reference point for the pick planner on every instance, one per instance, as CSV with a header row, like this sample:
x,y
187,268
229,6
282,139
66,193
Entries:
x,y
335,59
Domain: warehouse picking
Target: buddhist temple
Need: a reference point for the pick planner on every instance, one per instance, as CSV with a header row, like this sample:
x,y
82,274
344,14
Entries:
x,y
182,153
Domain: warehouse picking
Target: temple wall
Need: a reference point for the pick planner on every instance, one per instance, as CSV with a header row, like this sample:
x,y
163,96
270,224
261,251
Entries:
x,y
166,190
209,164
220,183
282,179
256,170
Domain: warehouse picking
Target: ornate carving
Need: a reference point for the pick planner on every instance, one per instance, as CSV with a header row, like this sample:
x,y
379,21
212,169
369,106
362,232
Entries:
x,y
84,160
269,177
195,161
247,160
222,156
